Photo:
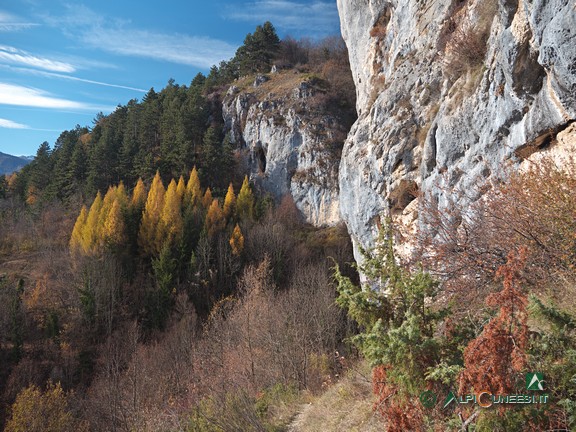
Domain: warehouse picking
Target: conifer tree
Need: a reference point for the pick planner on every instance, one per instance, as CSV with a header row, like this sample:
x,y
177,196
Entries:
x,y
245,201
193,188
207,199
139,195
90,231
215,221
76,240
181,189
122,196
151,215
170,226
114,233
107,202
229,202
237,241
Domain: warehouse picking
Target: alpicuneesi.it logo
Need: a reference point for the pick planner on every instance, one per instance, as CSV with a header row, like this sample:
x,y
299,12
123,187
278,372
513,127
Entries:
x,y
485,399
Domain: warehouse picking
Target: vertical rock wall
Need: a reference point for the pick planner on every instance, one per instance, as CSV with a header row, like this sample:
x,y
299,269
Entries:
x,y
450,93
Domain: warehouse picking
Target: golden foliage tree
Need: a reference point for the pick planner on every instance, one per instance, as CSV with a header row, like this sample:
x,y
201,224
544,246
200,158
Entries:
x,y
193,188
245,201
170,226
151,215
139,194
76,240
114,233
207,199
229,202
181,189
122,196
237,241
38,411
90,231
215,221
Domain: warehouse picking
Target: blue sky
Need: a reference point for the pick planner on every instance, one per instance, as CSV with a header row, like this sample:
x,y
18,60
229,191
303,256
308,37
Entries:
x,y
61,62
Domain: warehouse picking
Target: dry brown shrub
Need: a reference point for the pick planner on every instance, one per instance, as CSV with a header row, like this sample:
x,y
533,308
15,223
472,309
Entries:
x,y
535,210
493,360
399,415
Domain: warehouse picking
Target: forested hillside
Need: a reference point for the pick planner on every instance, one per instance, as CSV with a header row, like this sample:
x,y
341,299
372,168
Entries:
x,y
140,272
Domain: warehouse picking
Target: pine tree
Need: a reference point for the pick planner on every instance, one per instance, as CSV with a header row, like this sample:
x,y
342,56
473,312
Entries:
x,y
229,202
170,226
90,231
76,240
237,241
215,221
151,215
245,201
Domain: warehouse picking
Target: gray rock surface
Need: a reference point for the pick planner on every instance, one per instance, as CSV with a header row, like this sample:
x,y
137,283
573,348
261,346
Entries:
x,y
449,93
288,141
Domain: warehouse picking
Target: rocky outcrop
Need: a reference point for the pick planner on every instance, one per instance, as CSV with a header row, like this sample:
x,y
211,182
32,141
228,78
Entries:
x,y
449,93
291,143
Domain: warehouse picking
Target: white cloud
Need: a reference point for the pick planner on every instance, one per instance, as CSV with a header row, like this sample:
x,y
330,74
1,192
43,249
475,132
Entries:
x,y
318,18
174,48
120,37
9,124
13,55
69,78
11,94
11,23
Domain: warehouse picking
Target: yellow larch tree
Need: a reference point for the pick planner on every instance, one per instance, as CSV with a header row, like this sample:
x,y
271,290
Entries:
x,y
215,221
90,231
170,226
122,196
207,199
181,188
229,202
138,195
237,241
76,238
107,202
151,215
245,201
114,233
193,188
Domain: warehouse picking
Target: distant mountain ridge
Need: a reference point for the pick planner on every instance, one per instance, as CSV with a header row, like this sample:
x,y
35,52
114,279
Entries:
x,y
9,163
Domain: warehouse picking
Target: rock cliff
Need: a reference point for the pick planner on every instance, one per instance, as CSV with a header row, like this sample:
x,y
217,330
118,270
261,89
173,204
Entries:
x,y
449,93
291,142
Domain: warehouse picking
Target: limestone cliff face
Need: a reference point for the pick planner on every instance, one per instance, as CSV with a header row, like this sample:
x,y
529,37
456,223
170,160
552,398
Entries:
x,y
290,142
448,94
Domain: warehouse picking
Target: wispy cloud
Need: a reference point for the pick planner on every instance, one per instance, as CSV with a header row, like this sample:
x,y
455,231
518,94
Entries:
x,y
69,78
121,37
11,23
9,124
11,94
13,55
318,18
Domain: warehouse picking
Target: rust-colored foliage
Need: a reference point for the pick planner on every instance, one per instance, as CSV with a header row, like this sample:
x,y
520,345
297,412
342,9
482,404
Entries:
x,y
399,415
492,359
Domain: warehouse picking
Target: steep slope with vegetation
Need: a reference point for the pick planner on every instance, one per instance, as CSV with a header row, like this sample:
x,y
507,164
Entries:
x,y
146,284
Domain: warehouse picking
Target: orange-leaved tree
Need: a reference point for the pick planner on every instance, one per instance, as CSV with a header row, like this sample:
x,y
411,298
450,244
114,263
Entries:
x,y
493,360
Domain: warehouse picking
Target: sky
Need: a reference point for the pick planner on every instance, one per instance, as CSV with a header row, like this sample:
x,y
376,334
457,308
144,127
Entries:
x,y
61,63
